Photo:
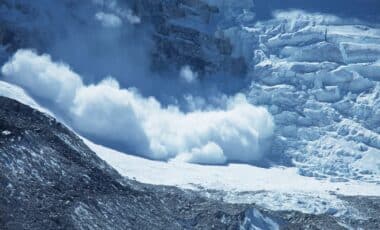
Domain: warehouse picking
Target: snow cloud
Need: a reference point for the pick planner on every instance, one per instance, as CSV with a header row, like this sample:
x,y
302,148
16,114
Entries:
x,y
211,153
295,17
188,75
236,132
120,12
108,20
46,79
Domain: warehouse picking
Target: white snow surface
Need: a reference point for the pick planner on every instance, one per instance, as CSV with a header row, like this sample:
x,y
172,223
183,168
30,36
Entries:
x,y
277,188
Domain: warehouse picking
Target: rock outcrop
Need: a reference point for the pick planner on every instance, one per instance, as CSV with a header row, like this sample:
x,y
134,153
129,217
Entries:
x,y
184,35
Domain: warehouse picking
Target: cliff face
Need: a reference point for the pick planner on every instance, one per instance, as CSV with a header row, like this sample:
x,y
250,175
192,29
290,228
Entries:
x,y
182,31
184,34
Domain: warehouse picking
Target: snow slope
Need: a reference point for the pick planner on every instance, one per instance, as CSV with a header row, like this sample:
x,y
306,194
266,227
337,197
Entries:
x,y
277,188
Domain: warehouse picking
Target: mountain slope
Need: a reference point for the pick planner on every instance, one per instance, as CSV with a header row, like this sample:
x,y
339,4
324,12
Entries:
x,y
52,180
317,74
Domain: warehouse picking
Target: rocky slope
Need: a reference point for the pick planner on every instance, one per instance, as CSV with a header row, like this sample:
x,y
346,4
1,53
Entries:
x,y
51,180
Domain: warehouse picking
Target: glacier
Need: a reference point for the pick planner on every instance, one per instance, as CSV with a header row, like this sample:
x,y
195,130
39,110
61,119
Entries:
x,y
317,75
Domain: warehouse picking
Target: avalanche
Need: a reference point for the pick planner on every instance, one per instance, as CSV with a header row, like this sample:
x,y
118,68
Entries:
x,y
315,76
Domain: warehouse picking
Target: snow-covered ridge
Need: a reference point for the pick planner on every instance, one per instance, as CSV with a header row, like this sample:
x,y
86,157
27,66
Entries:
x,y
19,94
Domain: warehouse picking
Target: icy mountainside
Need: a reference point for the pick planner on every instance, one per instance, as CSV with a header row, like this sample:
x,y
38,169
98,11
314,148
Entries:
x,y
317,74
52,180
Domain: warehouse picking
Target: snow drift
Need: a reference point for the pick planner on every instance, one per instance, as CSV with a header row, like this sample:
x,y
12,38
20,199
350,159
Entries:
x,y
237,132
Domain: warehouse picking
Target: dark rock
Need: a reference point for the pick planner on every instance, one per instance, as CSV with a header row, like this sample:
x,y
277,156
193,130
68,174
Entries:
x,y
191,43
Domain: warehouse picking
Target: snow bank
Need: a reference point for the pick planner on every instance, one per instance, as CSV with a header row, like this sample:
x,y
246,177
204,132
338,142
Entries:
x,y
302,37
239,132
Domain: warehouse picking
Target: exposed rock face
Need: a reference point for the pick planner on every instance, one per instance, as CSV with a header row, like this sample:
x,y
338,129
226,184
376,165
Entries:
x,y
184,34
183,31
